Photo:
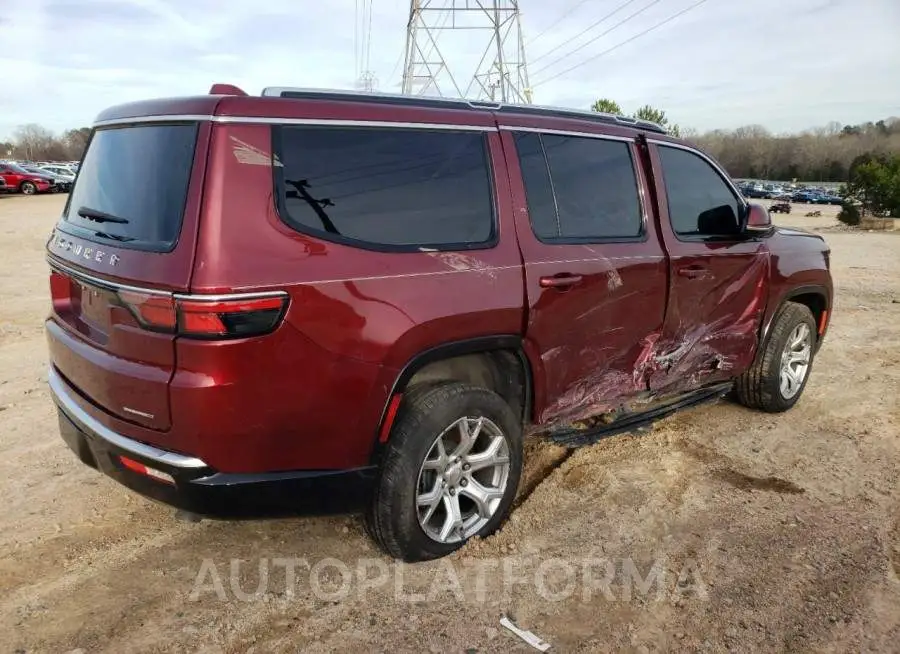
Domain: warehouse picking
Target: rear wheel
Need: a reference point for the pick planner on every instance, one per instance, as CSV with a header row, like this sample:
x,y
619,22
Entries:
x,y
450,472
778,376
28,188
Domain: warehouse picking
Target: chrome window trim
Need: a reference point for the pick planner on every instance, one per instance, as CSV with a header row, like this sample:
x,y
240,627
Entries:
x,y
179,118
269,120
567,132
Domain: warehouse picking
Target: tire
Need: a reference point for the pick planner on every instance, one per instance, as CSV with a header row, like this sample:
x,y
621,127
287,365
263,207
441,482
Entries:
x,y
764,386
394,518
27,188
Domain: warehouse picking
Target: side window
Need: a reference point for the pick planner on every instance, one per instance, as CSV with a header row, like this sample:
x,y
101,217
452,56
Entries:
x,y
579,188
399,188
700,202
538,187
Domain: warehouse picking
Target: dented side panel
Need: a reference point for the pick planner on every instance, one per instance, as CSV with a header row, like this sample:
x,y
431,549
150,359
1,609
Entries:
x,y
712,322
718,293
587,342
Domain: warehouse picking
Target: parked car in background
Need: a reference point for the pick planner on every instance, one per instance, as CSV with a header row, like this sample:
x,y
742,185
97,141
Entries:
x,y
64,176
24,181
403,326
780,207
59,169
61,183
805,197
757,192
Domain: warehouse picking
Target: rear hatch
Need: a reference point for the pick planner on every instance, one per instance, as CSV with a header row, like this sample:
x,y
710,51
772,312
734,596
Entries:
x,y
122,247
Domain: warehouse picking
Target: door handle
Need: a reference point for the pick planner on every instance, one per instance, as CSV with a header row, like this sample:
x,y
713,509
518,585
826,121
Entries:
x,y
692,272
560,281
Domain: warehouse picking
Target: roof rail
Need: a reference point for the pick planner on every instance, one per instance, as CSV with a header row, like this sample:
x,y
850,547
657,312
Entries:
x,y
456,103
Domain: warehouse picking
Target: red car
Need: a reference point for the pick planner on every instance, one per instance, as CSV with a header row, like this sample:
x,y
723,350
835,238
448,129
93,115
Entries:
x,y
322,297
24,181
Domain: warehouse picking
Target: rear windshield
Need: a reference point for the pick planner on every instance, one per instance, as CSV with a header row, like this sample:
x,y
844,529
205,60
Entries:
x,y
133,184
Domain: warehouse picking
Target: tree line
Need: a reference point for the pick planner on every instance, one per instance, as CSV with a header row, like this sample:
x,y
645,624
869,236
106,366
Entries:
x,y
824,154
36,143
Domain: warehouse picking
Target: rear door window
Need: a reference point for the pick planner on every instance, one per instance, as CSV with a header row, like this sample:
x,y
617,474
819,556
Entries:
x,y
132,186
385,188
580,189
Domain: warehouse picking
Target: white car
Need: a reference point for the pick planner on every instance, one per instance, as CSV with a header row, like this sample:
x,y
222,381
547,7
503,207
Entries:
x,y
60,171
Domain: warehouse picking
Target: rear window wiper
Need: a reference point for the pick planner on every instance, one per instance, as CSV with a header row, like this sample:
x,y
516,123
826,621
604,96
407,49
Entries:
x,y
114,237
100,216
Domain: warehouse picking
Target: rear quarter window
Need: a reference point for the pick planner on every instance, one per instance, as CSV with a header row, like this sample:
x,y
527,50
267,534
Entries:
x,y
385,188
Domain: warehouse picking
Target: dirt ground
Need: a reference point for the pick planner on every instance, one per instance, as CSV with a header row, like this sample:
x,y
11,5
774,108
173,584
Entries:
x,y
720,529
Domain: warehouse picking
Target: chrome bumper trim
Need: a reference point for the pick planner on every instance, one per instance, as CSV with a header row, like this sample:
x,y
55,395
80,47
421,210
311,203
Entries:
x,y
62,395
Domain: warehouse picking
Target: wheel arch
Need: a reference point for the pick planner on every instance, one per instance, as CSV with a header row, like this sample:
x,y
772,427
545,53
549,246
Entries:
x,y
815,297
497,362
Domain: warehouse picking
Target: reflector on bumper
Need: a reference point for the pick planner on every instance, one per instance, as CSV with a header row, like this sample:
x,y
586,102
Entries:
x,y
138,467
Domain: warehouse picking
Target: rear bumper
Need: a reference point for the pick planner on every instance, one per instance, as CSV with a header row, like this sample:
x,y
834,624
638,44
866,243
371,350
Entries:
x,y
193,485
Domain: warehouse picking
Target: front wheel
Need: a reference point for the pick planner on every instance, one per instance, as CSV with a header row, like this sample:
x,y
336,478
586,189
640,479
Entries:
x,y
450,471
28,188
777,378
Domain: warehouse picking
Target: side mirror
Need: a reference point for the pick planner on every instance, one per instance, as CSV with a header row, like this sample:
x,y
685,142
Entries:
x,y
719,221
758,221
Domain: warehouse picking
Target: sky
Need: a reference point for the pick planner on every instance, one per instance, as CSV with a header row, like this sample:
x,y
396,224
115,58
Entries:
x,y
785,64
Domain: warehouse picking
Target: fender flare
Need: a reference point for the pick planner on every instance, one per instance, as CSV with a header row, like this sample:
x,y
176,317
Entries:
x,y
811,289
477,345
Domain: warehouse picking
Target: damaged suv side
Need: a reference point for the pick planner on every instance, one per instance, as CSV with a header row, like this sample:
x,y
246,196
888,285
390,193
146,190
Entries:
x,y
327,288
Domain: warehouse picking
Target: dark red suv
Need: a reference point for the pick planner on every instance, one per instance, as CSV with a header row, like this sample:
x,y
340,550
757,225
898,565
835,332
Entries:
x,y
330,295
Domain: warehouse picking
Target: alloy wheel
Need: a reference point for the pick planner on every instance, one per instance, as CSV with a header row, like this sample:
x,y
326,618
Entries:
x,y
795,360
462,480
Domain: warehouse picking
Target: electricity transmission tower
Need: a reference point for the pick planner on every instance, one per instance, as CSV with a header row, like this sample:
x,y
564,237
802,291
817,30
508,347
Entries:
x,y
488,32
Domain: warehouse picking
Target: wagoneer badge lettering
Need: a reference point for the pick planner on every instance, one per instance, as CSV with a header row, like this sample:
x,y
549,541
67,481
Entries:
x,y
65,245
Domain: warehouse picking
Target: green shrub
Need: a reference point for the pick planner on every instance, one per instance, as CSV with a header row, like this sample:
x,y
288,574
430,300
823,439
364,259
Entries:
x,y
849,214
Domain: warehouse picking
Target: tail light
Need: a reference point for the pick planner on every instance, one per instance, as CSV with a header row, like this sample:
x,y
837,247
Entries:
x,y
232,316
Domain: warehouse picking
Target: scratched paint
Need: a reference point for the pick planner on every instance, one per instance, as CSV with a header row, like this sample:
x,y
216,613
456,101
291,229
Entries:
x,y
463,263
682,356
251,155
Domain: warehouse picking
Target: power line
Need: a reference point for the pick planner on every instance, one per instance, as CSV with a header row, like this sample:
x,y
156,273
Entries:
x,y
625,42
369,37
356,40
396,65
557,21
599,36
584,31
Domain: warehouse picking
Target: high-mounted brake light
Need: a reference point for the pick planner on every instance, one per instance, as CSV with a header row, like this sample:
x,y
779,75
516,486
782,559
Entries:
x,y
198,317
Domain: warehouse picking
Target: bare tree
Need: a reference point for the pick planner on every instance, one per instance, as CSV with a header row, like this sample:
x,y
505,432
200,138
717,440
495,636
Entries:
x,y
822,154
33,140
